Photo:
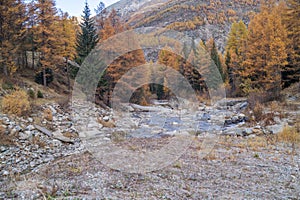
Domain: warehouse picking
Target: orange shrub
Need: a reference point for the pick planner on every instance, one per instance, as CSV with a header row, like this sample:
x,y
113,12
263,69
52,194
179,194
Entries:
x,y
48,114
16,103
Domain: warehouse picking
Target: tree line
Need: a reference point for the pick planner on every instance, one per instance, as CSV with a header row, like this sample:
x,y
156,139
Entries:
x,y
260,56
264,56
35,35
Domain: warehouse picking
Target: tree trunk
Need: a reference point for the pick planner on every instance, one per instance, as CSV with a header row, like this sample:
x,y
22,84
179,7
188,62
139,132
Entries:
x,y
5,69
26,59
33,59
44,77
68,74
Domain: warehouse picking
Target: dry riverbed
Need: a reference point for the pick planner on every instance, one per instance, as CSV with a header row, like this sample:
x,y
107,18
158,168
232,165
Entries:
x,y
237,168
44,156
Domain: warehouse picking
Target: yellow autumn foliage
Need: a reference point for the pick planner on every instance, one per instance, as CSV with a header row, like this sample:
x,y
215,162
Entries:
x,y
16,103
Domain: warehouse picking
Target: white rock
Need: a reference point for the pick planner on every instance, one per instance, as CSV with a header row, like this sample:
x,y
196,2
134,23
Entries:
x,y
242,115
5,173
23,136
13,131
52,110
251,136
56,143
106,118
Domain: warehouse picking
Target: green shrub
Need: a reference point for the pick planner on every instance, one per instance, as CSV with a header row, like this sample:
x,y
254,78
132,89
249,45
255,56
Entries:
x,y
7,86
31,93
40,94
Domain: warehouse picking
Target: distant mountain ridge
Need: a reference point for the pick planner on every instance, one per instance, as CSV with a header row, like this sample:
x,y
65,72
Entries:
x,y
127,8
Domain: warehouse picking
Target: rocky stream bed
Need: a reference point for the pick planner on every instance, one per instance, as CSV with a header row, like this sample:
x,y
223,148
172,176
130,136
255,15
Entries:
x,y
53,158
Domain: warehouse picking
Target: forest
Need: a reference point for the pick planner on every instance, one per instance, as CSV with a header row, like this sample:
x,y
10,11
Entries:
x,y
261,57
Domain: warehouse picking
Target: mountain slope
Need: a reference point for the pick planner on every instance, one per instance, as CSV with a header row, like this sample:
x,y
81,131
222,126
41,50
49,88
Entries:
x,y
199,19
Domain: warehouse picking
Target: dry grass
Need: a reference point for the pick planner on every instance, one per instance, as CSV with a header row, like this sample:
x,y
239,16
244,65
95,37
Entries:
x,y
16,103
6,140
290,135
257,143
70,135
108,124
48,115
64,102
258,112
118,136
37,140
211,156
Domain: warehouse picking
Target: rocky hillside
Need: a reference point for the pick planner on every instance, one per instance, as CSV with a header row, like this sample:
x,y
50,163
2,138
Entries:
x,y
198,18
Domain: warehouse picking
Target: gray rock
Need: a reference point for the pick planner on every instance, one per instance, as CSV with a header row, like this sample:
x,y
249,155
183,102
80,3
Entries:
x,y
32,164
6,121
206,117
239,132
248,131
241,116
3,149
56,143
275,129
24,136
251,136
243,105
44,130
5,173
30,128
235,119
52,110
13,131
57,135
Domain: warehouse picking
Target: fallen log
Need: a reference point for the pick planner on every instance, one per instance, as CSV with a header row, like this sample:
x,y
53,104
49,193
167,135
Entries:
x,y
55,135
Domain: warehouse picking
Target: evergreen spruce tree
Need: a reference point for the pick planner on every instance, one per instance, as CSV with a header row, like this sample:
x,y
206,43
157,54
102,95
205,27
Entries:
x,y
215,57
87,38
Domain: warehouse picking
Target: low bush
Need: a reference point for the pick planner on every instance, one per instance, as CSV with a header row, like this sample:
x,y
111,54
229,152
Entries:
x,y
7,86
290,135
40,94
258,112
5,139
16,103
31,93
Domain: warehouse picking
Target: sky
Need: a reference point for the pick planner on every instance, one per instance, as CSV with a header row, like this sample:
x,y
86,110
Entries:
x,y
75,7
